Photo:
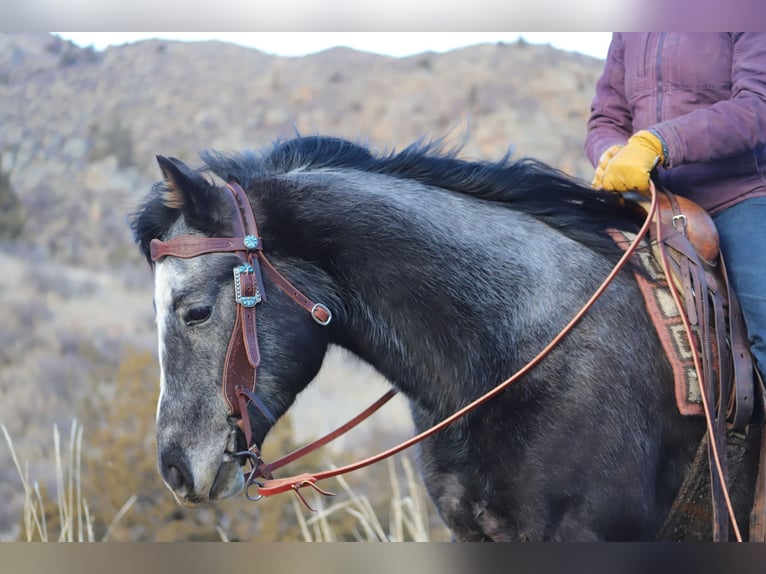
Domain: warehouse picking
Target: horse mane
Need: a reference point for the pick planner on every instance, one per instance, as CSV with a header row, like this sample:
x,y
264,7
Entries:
x,y
526,185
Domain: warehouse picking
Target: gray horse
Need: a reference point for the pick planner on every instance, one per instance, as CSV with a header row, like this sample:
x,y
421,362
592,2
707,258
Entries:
x,y
447,276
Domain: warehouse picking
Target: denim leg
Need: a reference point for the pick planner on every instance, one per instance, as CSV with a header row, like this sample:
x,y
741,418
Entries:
x,y
742,230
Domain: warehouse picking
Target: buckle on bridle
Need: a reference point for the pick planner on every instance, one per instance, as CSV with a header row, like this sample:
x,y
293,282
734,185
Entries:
x,y
245,301
325,311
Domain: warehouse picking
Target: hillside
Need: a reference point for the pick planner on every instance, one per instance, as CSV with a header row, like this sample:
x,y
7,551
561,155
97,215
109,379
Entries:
x,y
79,130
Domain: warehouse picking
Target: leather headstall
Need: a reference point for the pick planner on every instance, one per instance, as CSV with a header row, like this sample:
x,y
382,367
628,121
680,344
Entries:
x,y
242,355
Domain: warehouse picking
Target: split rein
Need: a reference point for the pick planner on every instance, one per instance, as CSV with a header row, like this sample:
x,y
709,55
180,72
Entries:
x,y
243,357
273,486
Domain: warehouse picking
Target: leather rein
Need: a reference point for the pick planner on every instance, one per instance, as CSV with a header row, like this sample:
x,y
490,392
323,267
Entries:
x,y
243,356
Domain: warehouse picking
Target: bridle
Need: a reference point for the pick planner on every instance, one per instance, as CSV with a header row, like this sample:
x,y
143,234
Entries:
x,y
242,355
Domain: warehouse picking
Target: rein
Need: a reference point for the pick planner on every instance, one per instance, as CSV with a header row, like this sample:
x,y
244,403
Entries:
x,y
273,486
715,421
243,356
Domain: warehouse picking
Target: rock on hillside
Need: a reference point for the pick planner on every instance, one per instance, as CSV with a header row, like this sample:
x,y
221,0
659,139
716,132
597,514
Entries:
x,y
24,55
81,128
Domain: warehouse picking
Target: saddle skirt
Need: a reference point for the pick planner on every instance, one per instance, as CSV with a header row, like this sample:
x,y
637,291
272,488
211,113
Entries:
x,y
699,322
686,238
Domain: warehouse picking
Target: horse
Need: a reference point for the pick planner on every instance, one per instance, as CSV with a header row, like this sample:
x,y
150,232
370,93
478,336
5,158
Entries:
x,y
446,275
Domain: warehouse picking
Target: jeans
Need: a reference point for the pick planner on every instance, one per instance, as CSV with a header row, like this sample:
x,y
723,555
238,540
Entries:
x,y
742,229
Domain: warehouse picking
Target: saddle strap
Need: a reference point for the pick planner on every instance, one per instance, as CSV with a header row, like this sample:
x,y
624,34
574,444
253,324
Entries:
x,y
721,351
745,388
758,511
684,267
724,349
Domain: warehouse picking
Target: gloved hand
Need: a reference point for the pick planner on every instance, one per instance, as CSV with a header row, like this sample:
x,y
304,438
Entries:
x,y
630,168
598,176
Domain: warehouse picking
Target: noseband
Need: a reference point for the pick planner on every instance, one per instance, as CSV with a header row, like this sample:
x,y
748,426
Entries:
x,y
242,355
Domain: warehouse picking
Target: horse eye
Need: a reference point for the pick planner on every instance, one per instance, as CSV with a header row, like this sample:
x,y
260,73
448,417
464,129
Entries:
x,y
197,315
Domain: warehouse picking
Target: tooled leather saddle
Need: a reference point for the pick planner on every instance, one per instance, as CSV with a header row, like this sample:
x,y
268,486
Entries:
x,y
685,242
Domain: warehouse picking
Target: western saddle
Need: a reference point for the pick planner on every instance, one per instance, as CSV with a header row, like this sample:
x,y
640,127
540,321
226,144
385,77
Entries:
x,y
685,242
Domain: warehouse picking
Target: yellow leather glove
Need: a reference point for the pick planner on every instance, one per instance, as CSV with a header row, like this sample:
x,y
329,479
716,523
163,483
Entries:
x,y
598,176
630,168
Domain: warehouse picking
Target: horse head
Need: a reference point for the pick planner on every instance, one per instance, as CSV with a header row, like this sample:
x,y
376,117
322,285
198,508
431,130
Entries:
x,y
196,314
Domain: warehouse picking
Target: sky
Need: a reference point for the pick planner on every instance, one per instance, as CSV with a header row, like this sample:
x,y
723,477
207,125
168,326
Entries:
x,y
387,43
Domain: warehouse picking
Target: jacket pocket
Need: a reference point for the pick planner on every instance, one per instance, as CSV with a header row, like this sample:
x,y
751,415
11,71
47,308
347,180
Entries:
x,y
700,61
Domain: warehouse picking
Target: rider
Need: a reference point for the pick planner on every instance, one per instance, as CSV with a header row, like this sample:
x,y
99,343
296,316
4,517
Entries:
x,y
693,106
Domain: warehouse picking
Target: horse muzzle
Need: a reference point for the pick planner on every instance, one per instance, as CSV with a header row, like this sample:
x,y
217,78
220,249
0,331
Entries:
x,y
194,482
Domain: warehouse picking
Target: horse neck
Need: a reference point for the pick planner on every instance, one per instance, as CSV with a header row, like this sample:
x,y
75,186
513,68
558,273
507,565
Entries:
x,y
411,269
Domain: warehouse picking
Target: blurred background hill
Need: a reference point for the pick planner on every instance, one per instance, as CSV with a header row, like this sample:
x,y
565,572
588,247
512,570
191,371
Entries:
x,y
79,130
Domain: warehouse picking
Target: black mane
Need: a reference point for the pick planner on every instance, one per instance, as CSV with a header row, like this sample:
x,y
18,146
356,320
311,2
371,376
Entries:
x,y
527,185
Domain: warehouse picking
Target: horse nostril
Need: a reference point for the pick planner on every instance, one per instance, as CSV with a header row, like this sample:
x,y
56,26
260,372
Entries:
x,y
175,478
176,473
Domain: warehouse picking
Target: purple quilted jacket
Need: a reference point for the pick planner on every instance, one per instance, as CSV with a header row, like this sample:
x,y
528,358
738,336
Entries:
x,y
705,94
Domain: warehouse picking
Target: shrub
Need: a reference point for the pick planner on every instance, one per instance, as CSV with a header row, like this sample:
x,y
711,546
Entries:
x,y
11,210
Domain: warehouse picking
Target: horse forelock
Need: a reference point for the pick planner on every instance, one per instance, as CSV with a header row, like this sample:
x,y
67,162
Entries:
x,y
155,217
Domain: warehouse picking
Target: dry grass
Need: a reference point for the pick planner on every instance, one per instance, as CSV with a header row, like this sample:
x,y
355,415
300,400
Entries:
x,y
68,518
408,513
75,522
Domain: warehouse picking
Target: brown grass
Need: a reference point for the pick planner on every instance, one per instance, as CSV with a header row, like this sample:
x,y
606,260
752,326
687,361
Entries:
x,y
67,516
75,523
407,517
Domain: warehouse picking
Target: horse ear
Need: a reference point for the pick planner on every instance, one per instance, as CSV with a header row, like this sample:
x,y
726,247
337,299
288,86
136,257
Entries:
x,y
179,180
201,203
